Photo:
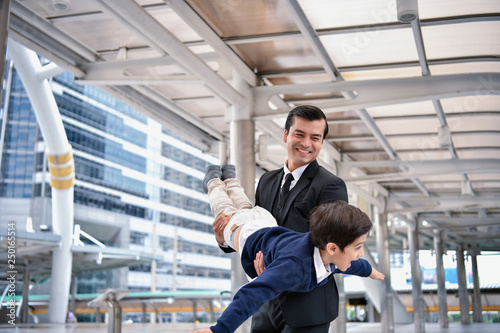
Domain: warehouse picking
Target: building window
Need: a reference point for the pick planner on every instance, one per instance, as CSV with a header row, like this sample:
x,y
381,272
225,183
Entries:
x,y
138,238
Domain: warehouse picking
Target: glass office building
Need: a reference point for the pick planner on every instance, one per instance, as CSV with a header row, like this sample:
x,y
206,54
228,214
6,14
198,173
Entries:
x,y
137,186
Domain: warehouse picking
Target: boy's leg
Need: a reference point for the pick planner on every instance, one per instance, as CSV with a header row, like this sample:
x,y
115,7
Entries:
x,y
237,194
228,171
213,171
218,198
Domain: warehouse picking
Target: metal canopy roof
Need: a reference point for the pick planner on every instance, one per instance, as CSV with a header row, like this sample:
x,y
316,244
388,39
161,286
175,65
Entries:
x,y
413,108
33,253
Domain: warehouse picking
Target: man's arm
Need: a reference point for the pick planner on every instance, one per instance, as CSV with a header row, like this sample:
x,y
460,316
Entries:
x,y
333,191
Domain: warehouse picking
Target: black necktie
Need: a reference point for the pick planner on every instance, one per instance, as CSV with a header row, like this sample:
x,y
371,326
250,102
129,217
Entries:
x,y
286,186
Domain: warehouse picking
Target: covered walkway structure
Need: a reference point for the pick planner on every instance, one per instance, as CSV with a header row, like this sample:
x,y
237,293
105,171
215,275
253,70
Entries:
x,y
411,93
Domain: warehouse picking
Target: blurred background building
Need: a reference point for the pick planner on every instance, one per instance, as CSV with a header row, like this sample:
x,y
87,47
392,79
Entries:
x,y
138,187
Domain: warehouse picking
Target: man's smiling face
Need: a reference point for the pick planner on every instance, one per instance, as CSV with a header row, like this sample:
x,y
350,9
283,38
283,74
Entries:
x,y
304,141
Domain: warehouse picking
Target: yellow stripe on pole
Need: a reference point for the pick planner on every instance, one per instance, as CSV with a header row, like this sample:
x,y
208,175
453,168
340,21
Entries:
x,y
62,184
62,170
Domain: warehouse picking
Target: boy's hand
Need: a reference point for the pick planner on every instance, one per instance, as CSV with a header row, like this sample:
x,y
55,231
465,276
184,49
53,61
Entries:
x,y
206,330
376,275
219,224
258,263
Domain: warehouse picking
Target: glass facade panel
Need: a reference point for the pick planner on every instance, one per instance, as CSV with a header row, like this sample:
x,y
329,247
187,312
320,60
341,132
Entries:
x,y
183,157
16,173
101,147
114,173
77,109
94,93
185,223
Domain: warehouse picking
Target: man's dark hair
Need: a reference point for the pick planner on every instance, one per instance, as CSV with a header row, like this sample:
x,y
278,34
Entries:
x,y
307,112
337,222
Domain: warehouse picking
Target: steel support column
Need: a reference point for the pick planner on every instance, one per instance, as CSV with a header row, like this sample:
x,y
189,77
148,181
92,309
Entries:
x,y
74,289
223,152
195,310
418,306
211,311
477,314
62,174
462,287
242,152
387,310
25,296
441,285
144,312
339,324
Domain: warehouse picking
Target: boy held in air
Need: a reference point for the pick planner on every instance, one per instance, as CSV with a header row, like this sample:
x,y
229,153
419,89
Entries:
x,y
294,261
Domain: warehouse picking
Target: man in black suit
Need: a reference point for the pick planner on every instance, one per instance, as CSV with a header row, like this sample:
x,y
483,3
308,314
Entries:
x,y
311,185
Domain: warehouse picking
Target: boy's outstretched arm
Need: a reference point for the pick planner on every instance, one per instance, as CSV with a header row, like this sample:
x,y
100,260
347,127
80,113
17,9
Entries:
x,y
376,275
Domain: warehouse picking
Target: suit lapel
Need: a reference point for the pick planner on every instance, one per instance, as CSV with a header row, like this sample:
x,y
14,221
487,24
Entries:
x,y
304,181
273,190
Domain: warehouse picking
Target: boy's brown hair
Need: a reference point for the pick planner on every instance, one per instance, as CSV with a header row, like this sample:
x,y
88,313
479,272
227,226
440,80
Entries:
x,y
337,222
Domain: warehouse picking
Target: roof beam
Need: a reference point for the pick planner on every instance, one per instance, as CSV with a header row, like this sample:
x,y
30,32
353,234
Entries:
x,y
384,92
45,34
135,18
401,64
206,32
365,27
464,222
433,204
167,113
312,39
418,168
117,72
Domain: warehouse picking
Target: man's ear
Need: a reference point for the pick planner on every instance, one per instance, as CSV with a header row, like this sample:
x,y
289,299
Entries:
x,y
285,135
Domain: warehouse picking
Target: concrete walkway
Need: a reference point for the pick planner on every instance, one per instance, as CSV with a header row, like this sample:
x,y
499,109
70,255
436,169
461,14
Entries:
x,y
176,328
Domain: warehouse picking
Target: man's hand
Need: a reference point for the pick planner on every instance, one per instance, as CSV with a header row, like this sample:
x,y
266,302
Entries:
x,y
258,263
376,275
219,224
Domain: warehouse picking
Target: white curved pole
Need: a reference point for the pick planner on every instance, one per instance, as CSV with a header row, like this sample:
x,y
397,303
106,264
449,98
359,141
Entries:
x,y
61,171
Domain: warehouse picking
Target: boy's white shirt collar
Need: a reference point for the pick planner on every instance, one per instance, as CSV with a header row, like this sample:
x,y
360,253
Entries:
x,y
322,270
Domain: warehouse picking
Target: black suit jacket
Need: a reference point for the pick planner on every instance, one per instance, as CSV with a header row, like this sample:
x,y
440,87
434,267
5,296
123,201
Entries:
x,y
316,186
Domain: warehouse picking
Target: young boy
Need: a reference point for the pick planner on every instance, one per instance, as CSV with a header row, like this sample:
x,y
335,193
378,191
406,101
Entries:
x,y
293,261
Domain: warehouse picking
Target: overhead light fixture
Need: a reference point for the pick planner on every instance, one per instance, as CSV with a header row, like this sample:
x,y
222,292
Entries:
x,y
407,10
61,4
